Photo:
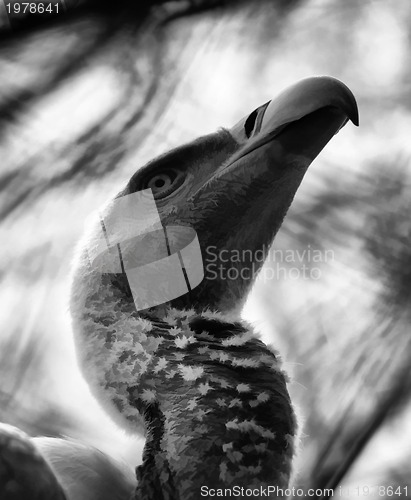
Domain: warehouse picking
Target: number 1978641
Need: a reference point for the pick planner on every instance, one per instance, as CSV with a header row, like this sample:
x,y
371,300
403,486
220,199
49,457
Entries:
x,y
374,491
32,8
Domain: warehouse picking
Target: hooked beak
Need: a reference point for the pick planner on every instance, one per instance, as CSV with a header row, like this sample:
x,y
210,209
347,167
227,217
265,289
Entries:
x,y
297,124
247,196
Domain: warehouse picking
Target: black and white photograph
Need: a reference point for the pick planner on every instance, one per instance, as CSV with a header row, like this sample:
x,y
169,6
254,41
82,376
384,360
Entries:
x,y
205,258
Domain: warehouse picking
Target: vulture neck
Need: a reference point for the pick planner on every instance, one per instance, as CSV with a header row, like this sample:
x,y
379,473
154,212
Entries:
x,y
210,396
222,416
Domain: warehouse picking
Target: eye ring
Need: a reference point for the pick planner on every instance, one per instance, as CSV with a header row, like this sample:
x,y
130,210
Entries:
x,y
164,182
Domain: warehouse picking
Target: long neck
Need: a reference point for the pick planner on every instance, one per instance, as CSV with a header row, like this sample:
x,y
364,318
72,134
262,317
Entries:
x,y
222,415
211,397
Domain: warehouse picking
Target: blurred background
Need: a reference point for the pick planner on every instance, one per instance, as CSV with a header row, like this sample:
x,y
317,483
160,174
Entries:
x,y
88,97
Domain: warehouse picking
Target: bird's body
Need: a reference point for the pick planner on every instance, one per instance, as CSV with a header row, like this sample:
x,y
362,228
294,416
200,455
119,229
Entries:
x,y
210,396
85,472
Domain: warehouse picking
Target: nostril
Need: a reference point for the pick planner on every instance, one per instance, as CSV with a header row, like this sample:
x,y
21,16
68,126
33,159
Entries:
x,y
250,123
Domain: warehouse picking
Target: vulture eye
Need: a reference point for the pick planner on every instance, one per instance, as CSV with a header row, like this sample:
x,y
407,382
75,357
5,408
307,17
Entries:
x,y
164,182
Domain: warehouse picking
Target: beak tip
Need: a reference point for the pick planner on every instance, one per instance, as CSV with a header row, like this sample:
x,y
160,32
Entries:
x,y
354,114
348,100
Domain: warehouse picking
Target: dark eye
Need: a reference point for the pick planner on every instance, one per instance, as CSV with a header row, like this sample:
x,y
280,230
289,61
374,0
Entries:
x,y
164,182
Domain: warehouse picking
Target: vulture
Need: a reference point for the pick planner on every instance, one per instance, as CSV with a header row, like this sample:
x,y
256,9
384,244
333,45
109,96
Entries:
x,y
155,309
